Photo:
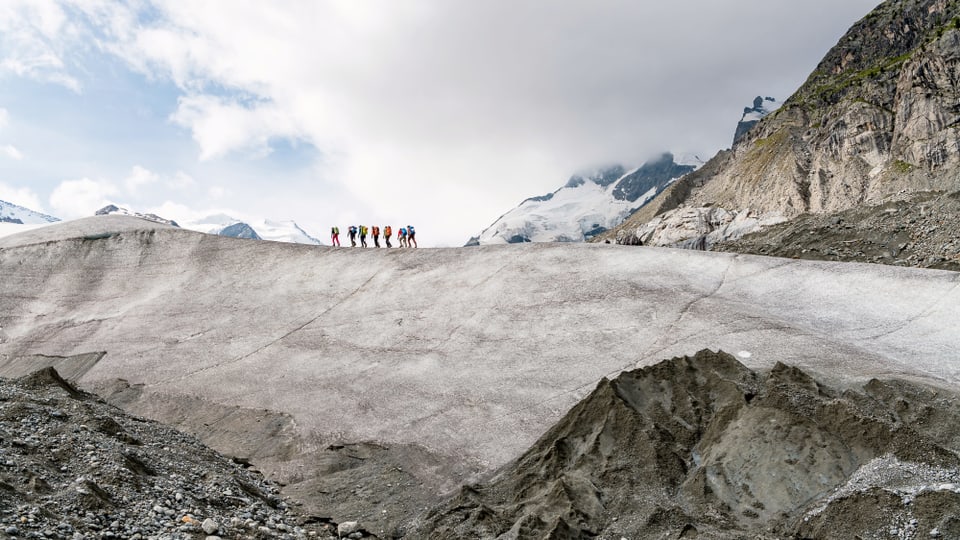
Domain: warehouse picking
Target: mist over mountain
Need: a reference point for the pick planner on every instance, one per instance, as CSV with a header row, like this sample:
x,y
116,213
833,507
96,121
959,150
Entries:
x,y
587,205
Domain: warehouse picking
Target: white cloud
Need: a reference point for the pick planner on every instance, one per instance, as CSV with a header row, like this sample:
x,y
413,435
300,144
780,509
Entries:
x,y
12,152
22,196
216,192
81,198
180,180
450,112
221,126
35,37
138,178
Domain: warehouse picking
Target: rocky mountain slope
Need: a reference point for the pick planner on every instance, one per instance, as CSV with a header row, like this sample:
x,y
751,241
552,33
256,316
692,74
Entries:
x,y
922,230
72,466
586,205
702,447
875,121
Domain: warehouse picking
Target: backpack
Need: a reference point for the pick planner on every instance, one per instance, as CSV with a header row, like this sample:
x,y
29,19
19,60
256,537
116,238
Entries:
x,y
376,230
410,230
387,231
353,229
335,230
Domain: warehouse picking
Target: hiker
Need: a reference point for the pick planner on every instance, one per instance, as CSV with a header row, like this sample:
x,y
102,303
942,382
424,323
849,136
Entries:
x,y
411,236
353,235
376,236
387,231
335,236
402,237
363,236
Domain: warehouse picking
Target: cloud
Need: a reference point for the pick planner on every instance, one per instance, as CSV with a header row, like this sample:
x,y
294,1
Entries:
x,y
4,117
80,198
12,152
220,126
22,196
35,37
138,178
216,192
450,112
180,180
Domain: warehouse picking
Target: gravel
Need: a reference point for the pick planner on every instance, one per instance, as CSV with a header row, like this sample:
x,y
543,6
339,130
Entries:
x,y
920,230
73,466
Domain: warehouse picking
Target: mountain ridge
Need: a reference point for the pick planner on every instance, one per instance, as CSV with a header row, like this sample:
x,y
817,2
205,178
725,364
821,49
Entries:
x,y
873,122
16,214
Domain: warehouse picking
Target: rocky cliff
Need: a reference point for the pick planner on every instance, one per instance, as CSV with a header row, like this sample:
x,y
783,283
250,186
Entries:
x,y
877,119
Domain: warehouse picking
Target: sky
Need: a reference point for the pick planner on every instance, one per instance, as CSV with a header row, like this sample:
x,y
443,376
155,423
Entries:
x,y
443,114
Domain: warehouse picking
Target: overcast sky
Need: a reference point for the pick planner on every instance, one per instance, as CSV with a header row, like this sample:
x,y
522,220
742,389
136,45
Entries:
x,y
443,114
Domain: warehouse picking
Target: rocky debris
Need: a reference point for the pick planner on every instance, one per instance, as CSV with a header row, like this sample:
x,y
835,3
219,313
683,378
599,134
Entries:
x,y
73,466
384,487
697,228
921,230
703,447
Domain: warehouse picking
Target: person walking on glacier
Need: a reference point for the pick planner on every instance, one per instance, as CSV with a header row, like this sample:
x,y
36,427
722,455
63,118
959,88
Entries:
x,y
363,236
411,236
402,237
335,236
353,235
387,232
375,232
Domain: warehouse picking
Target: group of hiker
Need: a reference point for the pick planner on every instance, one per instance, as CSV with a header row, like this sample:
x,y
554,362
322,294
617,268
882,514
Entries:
x,y
406,236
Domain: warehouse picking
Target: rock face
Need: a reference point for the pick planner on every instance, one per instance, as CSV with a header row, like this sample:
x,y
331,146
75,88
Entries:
x,y
876,120
703,447
587,205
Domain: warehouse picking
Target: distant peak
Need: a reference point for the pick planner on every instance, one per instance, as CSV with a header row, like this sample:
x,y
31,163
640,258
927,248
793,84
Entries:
x,y
762,106
114,209
13,213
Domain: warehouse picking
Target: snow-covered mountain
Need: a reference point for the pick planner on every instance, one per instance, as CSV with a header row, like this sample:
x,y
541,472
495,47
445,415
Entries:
x,y
587,204
264,229
224,225
114,209
12,213
15,219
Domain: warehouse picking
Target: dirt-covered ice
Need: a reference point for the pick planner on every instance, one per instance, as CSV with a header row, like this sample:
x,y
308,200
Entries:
x,y
465,357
